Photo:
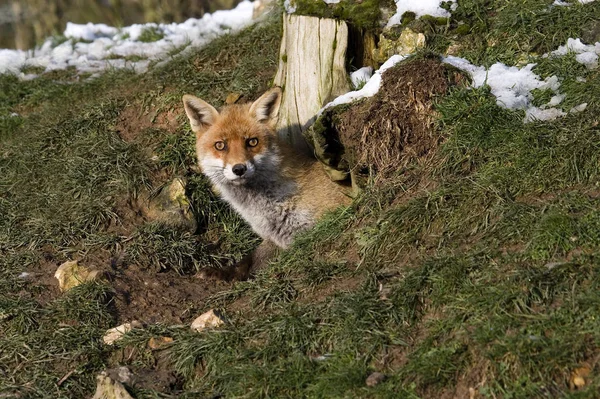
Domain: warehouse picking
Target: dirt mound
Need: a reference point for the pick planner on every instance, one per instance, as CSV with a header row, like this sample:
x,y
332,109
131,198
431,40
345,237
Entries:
x,y
137,117
384,133
161,297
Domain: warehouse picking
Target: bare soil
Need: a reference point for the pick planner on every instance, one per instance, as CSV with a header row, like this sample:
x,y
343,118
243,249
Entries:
x,y
139,293
135,118
165,297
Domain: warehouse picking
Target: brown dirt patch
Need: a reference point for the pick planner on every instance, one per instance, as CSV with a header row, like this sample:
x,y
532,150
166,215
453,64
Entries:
x,y
397,126
42,287
135,118
392,357
158,374
161,297
241,305
139,293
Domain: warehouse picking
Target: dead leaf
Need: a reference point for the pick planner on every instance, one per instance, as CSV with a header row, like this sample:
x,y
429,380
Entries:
x,y
578,376
158,342
232,98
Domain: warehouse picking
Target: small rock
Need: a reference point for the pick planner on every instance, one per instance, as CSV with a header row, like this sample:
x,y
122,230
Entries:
x,y
107,388
121,374
321,358
375,378
125,376
172,207
454,49
578,108
554,265
384,292
210,319
159,342
116,333
408,42
71,274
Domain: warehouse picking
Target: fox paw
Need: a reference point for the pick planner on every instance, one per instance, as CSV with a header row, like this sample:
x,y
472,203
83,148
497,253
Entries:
x,y
238,272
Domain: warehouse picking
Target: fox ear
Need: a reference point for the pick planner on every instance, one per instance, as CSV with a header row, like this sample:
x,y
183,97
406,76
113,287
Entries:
x,y
266,108
200,113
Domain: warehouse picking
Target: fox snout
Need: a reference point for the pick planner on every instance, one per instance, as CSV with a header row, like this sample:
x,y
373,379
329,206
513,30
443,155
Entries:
x,y
239,171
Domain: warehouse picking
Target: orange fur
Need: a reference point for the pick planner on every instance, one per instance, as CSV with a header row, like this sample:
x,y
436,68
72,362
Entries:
x,y
277,190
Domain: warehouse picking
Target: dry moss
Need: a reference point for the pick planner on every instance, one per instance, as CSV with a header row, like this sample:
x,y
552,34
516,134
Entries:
x,y
384,133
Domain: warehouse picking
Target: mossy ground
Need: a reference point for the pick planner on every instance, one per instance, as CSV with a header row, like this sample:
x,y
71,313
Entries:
x,y
482,276
361,14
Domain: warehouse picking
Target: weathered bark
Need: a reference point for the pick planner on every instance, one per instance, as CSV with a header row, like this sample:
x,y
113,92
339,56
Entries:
x,y
311,71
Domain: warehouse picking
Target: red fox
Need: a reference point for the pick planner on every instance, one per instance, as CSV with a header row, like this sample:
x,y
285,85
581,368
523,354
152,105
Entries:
x,y
277,191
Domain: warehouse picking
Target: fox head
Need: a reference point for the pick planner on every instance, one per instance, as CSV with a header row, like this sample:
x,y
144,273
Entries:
x,y
233,146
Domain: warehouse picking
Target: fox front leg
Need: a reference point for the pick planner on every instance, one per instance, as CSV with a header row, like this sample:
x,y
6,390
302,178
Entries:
x,y
251,263
246,267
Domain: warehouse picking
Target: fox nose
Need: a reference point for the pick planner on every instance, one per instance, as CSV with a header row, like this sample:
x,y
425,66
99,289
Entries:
x,y
239,169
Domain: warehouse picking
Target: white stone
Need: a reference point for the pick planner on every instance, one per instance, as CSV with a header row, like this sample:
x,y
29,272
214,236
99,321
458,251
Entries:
x,y
209,319
114,334
107,388
70,274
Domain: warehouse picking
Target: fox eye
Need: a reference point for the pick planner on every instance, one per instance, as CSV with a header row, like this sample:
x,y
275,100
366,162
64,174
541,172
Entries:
x,y
220,145
253,142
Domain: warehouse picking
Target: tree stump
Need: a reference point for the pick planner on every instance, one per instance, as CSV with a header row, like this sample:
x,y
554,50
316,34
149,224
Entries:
x,y
312,71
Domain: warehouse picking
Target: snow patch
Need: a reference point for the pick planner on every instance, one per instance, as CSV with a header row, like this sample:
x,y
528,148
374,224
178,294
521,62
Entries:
x,y
361,76
89,31
11,61
420,8
578,108
106,47
289,7
512,87
567,4
369,89
586,54
537,114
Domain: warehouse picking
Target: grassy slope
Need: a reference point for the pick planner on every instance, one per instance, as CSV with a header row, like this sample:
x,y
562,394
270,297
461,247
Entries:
x,y
487,281
65,176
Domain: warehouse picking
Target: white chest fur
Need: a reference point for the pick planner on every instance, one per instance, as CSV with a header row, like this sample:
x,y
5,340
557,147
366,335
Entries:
x,y
271,211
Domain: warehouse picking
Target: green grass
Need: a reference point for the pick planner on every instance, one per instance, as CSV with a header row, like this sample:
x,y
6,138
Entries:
x,y
491,31
66,174
150,34
487,280
41,344
500,282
